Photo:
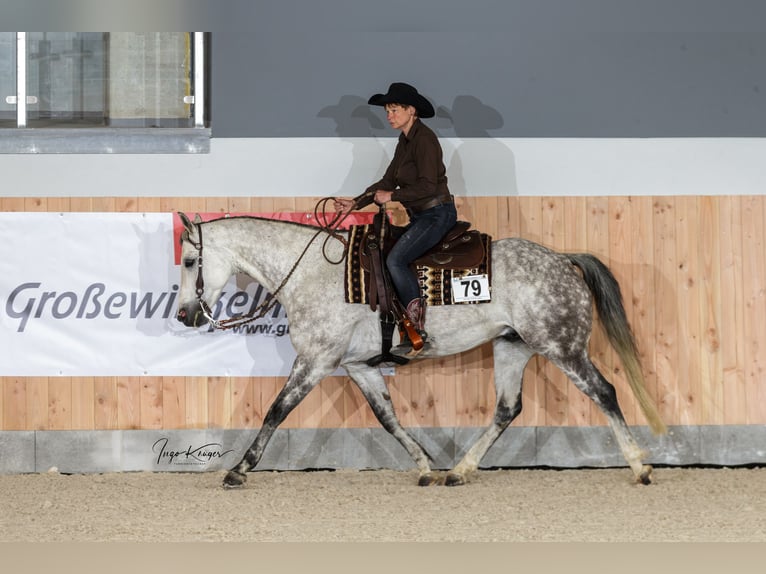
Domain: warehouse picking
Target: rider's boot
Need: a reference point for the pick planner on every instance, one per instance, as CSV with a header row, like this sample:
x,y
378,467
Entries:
x,y
412,333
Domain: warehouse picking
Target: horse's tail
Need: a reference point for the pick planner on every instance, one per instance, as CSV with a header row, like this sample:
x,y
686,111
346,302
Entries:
x,y
608,298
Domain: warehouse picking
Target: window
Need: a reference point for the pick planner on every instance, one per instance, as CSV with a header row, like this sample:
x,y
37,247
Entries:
x,y
86,92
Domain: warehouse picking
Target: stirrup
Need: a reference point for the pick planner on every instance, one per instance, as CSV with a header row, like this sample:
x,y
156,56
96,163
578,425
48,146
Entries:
x,y
408,348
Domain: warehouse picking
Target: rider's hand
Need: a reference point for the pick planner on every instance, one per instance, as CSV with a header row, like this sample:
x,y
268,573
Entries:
x,y
343,205
382,197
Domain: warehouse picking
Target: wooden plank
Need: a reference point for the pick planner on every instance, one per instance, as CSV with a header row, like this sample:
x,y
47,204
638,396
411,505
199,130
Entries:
x,y
37,403
173,402
61,204
197,416
733,337
758,414
126,204
217,205
754,279
468,394
15,403
83,392
242,405
80,204
219,402
105,415
175,204
308,414
150,403
333,404
444,392
149,205
12,203
103,204
265,391
35,204
239,205
508,217
666,310
687,282
422,393
129,403
642,301
60,403
711,364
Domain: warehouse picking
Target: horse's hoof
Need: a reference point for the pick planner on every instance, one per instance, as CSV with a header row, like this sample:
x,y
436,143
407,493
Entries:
x,y
454,479
234,479
646,475
428,479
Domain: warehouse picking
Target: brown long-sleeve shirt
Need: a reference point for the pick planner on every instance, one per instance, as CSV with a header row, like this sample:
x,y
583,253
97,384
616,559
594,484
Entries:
x,y
416,174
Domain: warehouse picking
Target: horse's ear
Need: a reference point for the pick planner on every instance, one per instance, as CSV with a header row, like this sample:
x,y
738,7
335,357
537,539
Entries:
x,y
197,218
185,220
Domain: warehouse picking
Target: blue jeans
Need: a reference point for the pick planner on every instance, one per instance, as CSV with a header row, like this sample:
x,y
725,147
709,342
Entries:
x,y
423,232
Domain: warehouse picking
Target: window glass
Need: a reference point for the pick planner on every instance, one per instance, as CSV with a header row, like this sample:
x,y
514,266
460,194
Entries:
x,y
150,79
66,79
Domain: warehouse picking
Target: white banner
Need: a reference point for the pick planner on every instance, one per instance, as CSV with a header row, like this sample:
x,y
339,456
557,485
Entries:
x,y
95,294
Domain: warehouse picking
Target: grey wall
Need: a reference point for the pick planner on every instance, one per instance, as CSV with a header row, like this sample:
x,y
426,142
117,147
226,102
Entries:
x,y
495,68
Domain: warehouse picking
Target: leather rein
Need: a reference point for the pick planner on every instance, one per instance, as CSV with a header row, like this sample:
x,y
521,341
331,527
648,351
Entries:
x,y
271,299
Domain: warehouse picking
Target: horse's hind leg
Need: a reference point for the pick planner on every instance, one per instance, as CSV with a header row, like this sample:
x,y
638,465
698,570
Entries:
x,y
511,355
373,387
304,376
590,381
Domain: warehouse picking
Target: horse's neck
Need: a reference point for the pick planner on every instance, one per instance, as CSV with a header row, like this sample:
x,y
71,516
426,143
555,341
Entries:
x,y
268,250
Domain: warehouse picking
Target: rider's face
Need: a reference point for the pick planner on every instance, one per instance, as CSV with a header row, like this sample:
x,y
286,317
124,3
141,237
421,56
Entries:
x,y
400,116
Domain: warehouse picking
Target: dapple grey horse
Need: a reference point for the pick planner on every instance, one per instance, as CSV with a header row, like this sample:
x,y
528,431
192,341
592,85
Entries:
x,y
541,303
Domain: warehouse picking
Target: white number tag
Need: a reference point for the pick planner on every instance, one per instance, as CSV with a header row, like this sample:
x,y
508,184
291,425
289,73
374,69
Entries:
x,y
470,288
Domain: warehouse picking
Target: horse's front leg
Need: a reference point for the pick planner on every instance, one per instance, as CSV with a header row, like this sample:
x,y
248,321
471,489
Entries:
x,y
510,357
373,387
304,376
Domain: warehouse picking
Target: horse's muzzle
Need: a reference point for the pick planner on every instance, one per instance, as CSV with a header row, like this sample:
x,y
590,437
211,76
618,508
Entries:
x,y
191,317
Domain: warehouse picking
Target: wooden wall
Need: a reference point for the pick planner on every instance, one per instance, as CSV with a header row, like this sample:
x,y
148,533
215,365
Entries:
x,y
693,274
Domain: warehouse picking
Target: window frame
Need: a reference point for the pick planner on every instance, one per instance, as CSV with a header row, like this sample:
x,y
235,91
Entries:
x,y
109,139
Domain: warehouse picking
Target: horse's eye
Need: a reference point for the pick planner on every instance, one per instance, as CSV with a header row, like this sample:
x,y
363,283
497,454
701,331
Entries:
x,y
188,263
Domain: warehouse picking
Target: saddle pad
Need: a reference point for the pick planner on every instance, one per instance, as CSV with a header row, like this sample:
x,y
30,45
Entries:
x,y
435,284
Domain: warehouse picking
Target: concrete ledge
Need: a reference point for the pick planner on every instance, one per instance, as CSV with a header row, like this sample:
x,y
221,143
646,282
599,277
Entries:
x,y
206,450
107,140
17,452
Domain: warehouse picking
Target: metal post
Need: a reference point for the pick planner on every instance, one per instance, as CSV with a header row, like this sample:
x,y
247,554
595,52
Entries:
x,y
199,80
21,79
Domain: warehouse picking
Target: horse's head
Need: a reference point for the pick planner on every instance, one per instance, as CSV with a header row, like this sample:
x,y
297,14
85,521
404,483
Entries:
x,y
199,283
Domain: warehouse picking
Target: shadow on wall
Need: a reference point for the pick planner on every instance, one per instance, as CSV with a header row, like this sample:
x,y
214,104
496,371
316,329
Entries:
x,y
354,124
480,164
477,163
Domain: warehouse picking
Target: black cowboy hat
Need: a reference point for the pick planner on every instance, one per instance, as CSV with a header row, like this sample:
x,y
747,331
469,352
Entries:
x,y
401,93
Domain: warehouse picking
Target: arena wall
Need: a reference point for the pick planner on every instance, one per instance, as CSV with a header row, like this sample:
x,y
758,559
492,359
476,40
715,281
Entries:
x,y
631,129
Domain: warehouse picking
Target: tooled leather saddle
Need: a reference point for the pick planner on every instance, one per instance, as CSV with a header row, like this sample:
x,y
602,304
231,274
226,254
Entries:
x,y
460,248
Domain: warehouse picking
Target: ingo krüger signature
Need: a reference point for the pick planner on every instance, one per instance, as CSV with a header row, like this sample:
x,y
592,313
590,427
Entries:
x,y
192,455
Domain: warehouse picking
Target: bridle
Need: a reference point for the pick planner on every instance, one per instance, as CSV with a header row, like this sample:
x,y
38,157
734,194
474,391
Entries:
x,y
271,298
